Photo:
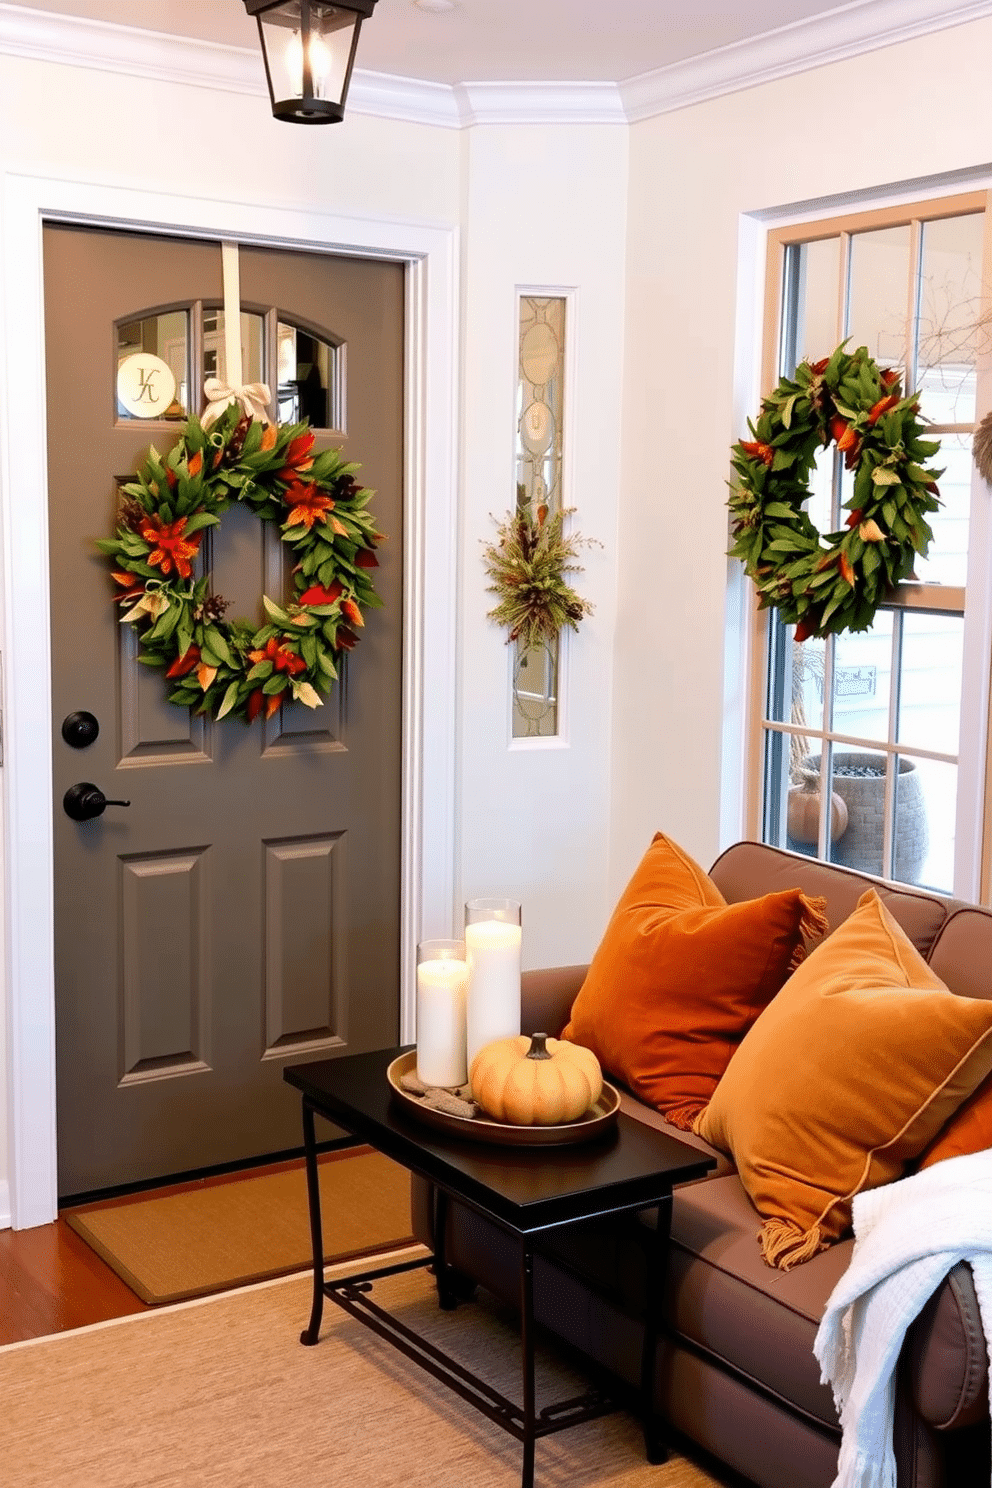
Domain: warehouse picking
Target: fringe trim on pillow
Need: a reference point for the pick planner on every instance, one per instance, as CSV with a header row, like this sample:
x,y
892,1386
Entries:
x,y
684,1116
814,925
784,1244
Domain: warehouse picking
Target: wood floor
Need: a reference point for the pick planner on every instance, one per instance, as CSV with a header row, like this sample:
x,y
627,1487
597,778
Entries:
x,y
51,1280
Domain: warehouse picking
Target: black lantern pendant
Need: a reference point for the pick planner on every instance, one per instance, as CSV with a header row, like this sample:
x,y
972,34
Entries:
x,y
309,51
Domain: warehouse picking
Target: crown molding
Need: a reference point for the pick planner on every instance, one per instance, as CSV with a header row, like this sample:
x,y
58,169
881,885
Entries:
x,y
541,103
44,36
860,26
849,31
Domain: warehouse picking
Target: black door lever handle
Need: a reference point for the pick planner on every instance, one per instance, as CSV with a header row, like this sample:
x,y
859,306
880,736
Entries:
x,y
84,801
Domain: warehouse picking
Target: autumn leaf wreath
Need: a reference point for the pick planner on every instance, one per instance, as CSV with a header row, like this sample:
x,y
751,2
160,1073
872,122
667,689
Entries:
x,y
835,582
222,667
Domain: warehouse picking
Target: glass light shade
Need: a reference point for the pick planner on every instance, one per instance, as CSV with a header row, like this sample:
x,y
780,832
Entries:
x,y
309,51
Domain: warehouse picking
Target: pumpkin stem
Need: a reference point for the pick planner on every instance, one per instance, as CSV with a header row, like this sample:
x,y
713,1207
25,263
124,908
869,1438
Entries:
x,y
538,1049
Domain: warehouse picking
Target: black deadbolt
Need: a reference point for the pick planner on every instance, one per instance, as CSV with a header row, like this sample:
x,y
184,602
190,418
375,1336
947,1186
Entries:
x,y
83,801
79,729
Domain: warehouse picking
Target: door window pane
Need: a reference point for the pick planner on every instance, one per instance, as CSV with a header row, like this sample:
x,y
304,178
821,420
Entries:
x,y
156,349
307,378
252,346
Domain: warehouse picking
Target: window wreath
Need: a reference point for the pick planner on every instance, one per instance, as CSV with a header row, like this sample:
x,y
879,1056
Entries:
x,y
835,582
223,667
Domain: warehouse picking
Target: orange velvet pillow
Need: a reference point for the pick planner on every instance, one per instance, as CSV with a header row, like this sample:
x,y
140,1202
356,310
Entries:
x,y
845,1077
681,975
969,1129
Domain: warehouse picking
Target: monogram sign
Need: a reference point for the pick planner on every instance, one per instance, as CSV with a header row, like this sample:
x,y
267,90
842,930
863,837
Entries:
x,y
146,386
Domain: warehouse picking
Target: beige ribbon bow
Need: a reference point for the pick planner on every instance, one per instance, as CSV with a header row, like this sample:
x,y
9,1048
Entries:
x,y
254,398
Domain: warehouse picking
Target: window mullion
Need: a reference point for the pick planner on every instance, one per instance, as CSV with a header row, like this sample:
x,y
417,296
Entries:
x,y
826,750
915,291
892,760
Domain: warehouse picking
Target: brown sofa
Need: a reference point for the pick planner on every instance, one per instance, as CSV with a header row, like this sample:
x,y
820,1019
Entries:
x,y
736,1373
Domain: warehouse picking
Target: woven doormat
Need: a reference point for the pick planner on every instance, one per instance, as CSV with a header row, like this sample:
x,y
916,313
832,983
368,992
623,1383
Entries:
x,y
222,1234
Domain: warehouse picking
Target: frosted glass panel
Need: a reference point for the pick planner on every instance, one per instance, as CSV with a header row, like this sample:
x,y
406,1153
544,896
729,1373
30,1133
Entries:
x,y
540,412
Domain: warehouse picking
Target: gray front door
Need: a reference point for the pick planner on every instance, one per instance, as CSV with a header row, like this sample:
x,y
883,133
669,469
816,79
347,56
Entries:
x,y
243,911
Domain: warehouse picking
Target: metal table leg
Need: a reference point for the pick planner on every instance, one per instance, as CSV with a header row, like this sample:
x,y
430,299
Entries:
x,y
527,1351
311,1332
446,1295
655,1447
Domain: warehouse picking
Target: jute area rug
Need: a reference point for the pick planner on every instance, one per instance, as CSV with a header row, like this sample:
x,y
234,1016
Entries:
x,y
220,1393
218,1235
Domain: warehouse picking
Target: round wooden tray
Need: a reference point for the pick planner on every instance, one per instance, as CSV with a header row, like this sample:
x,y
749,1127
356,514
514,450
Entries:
x,y
598,1119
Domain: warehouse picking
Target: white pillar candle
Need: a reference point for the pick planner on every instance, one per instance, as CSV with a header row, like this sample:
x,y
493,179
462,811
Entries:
x,y
442,987
492,950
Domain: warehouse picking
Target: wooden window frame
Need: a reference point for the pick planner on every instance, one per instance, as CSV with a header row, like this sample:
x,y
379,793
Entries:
x,y
973,863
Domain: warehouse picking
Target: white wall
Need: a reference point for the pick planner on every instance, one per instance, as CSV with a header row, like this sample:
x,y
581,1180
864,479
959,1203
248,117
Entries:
x,y
531,207
915,110
545,209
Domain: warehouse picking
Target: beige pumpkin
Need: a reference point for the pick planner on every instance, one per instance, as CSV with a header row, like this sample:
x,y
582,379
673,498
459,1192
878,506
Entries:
x,y
803,811
537,1081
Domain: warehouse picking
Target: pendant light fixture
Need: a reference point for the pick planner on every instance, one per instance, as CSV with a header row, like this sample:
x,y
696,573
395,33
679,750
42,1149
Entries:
x,y
309,50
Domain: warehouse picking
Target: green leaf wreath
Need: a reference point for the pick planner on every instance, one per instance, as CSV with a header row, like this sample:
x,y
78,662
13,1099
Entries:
x,y
223,667
527,565
835,582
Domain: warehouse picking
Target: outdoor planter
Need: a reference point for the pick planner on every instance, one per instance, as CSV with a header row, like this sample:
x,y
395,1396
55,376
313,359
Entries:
x,y
859,780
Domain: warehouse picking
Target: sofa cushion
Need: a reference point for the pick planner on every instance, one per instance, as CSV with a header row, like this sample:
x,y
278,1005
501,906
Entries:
x,y
719,1294
749,868
681,975
847,1075
724,1299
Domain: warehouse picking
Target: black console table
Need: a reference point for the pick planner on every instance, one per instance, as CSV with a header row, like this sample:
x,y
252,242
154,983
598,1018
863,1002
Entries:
x,y
528,1191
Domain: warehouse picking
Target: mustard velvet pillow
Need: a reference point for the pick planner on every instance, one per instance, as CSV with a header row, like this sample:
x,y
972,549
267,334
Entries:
x,y
681,975
844,1078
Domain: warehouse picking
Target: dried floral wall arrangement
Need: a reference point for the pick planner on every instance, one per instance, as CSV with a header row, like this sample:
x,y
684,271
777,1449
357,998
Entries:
x,y
528,565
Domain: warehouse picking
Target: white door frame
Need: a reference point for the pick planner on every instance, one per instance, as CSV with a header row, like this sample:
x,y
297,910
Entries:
x,y
428,867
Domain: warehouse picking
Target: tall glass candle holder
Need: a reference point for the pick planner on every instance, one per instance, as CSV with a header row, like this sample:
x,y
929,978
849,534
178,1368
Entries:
x,y
442,991
492,950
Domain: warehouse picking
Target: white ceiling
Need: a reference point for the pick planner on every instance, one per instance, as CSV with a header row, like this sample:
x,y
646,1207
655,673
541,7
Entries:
x,y
507,40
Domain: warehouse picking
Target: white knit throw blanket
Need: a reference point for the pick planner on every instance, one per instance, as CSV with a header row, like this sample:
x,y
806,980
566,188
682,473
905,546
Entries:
x,y
908,1235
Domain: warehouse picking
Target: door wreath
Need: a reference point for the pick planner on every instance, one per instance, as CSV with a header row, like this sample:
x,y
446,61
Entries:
x,y
837,581
222,667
